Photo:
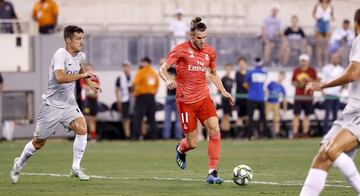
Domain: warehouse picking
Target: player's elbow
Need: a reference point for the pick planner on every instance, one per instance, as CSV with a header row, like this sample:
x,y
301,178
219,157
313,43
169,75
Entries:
x,y
353,76
59,77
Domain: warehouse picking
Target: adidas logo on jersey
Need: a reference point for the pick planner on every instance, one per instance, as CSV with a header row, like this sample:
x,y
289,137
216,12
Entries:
x,y
191,53
207,57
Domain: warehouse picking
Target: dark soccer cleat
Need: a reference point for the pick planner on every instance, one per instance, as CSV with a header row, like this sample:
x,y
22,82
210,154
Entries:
x,y
214,179
180,158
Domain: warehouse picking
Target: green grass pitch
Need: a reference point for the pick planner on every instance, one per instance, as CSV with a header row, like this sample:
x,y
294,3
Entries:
x,y
149,168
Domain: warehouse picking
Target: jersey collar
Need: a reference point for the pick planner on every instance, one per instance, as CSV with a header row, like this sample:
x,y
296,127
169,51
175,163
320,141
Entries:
x,y
196,48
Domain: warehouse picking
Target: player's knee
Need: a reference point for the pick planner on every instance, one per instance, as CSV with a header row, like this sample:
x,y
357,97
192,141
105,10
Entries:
x,y
321,156
38,143
332,152
192,144
321,161
81,131
215,136
213,129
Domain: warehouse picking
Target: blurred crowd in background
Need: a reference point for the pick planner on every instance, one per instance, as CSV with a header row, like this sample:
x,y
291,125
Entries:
x,y
260,104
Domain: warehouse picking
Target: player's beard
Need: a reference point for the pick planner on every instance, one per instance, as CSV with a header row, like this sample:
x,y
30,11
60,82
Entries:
x,y
199,45
78,49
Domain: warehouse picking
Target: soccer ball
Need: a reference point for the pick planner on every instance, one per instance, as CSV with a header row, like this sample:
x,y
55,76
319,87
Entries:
x,y
242,175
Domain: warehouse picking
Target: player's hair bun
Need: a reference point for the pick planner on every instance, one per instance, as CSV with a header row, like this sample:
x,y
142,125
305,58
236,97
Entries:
x,y
196,24
196,20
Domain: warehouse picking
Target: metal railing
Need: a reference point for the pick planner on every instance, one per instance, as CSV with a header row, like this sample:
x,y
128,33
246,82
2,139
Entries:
x,y
15,26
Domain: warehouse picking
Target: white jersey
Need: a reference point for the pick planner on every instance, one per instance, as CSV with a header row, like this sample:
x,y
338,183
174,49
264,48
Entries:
x,y
354,92
61,95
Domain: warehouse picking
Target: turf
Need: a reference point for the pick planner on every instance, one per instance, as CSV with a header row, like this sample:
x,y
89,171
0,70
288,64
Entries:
x,y
149,168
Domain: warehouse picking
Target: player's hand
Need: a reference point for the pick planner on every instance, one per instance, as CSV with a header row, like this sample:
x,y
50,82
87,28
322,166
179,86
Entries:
x,y
88,74
312,87
94,86
171,84
228,97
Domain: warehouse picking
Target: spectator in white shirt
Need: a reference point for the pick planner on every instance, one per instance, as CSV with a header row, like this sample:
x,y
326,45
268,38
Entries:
x,y
341,40
332,95
178,29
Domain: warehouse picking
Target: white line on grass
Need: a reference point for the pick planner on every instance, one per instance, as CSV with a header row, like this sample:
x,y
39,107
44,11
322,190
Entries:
x,y
288,183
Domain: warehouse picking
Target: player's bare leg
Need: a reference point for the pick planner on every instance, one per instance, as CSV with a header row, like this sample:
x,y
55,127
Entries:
x,y
30,148
332,154
214,147
188,143
80,129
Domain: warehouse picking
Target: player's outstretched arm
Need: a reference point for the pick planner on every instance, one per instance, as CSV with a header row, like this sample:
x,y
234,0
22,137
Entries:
x,y
351,73
62,77
170,83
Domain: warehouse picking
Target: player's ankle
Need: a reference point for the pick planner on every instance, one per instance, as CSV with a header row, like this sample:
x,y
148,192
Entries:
x,y
211,171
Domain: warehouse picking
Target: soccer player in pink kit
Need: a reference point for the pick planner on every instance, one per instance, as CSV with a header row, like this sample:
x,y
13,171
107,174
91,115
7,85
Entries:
x,y
194,59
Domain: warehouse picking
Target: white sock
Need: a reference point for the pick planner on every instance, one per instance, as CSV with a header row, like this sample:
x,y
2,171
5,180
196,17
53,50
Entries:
x,y
211,170
28,151
347,167
314,183
78,150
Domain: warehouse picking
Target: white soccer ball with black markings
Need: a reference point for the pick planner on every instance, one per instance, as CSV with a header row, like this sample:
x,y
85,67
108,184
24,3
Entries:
x,y
242,175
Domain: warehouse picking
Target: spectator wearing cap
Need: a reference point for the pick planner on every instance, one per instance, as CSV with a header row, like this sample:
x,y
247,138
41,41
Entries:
x,y
303,100
178,29
123,90
332,95
255,80
146,84
271,34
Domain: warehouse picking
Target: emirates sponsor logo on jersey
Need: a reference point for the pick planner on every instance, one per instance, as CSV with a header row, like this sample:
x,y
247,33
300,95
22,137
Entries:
x,y
197,68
